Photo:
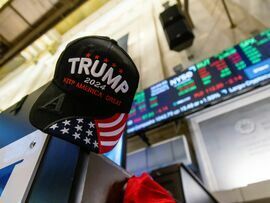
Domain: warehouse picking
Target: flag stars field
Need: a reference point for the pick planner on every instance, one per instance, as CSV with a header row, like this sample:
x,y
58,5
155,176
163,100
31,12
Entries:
x,y
80,120
54,126
66,122
65,130
91,125
78,127
95,144
87,140
76,135
89,132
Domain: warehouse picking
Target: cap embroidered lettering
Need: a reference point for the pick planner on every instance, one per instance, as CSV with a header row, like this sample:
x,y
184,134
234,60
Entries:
x,y
55,104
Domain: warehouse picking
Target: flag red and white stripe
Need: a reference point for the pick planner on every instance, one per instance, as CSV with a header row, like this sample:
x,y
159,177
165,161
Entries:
x,y
110,131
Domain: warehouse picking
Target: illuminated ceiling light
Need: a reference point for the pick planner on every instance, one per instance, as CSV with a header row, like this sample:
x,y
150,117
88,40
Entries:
x,y
26,55
3,2
39,44
53,35
46,39
32,51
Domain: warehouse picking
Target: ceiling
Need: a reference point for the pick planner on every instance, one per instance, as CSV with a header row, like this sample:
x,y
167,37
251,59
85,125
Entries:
x,y
21,22
20,16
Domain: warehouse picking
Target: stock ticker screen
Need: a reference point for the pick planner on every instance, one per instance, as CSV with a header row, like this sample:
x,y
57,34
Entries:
x,y
214,79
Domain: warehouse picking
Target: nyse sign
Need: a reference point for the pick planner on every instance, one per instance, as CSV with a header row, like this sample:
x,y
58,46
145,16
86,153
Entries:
x,y
18,164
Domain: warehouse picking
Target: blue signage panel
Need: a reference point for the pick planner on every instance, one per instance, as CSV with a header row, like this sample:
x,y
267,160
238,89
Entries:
x,y
56,171
5,174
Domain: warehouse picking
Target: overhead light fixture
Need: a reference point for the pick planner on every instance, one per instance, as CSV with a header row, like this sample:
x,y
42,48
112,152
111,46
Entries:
x,y
26,55
3,2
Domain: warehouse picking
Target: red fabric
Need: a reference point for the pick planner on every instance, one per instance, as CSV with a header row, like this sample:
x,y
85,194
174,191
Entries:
x,y
144,189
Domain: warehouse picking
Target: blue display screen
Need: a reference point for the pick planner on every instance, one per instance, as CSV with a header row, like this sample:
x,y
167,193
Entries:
x,y
5,174
116,155
222,76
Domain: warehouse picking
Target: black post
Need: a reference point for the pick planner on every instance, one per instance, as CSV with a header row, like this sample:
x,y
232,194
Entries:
x,y
145,139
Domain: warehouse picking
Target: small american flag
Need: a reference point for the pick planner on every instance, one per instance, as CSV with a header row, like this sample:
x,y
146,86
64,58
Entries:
x,y
99,136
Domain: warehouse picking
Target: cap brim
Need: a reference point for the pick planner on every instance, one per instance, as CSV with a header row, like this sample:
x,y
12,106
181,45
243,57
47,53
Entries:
x,y
54,106
99,136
